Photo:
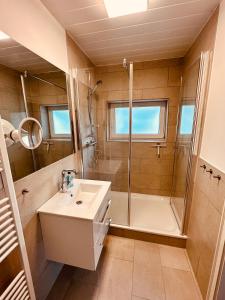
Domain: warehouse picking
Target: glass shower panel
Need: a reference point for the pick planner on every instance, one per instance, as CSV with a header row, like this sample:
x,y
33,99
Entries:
x,y
184,139
105,158
153,144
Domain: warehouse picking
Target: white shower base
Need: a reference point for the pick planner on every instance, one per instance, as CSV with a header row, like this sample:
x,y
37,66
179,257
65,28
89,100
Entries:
x,y
149,213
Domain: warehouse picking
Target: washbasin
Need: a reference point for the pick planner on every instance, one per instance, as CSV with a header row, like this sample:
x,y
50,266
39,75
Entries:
x,y
81,201
85,194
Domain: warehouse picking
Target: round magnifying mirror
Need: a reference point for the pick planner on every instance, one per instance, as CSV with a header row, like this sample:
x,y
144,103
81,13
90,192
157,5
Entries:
x,y
30,133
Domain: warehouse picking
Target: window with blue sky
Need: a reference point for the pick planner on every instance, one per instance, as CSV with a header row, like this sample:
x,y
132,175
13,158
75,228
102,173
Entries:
x,y
187,119
145,120
148,120
61,122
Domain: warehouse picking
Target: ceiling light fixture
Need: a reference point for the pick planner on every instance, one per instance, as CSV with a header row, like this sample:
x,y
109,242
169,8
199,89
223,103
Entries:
x,y
116,8
3,36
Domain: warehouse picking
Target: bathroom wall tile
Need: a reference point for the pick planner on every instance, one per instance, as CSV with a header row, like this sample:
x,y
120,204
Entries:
x,y
172,93
147,274
41,185
207,202
163,63
174,76
150,78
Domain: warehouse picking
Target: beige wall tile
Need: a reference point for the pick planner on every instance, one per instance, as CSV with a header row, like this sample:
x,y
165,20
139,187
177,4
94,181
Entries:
x,y
150,78
175,73
208,196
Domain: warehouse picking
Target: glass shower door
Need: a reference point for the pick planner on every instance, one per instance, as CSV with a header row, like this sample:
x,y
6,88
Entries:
x,y
104,148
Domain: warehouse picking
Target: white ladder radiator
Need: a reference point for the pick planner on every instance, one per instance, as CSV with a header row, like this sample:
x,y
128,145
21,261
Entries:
x,y
11,232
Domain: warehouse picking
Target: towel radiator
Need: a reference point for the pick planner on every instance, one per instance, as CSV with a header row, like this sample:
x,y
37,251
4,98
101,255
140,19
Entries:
x,y
11,232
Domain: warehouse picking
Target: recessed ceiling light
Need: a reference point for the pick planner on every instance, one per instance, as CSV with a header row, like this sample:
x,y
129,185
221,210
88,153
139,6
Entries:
x,y
3,36
116,8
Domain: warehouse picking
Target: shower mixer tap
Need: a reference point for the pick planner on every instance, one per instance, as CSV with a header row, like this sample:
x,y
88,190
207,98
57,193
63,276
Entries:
x,y
158,147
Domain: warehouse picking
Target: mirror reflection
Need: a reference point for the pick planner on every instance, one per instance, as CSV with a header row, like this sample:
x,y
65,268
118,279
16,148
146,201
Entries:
x,y
30,133
32,87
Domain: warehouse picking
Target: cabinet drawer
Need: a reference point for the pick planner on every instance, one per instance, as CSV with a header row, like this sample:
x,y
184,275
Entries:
x,y
103,230
102,226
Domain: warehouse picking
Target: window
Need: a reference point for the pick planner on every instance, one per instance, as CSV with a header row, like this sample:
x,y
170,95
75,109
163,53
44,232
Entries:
x,y
187,119
59,121
148,120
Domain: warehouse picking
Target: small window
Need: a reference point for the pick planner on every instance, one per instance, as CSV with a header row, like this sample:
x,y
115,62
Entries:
x,y
148,120
59,121
187,119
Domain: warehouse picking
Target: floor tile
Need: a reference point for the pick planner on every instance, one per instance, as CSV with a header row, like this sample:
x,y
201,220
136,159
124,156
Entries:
x,y
81,291
121,248
86,276
173,257
147,275
147,272
179,285
115,281
62,284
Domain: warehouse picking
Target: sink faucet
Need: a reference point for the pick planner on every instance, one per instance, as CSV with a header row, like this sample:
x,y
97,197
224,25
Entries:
x,y
67,179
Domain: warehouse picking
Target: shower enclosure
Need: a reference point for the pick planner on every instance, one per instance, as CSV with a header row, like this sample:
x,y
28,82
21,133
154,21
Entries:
x,y
136,129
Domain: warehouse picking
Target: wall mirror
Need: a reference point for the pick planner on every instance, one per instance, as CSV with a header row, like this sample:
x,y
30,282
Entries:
x,y
32,87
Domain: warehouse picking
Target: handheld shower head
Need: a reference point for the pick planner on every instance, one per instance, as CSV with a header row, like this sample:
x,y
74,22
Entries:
x,y
95,87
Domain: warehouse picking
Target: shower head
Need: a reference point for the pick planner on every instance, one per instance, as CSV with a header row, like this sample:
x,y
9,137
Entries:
x,y
95,87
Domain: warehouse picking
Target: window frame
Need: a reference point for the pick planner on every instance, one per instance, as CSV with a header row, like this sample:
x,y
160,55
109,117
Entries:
x,y
151,138
54,135
186,103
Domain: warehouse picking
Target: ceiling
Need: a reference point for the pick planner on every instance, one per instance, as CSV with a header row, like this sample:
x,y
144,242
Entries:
x,y
17,57
166,30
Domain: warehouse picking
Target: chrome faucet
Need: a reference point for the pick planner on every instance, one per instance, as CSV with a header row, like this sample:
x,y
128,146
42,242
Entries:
x,y
67,179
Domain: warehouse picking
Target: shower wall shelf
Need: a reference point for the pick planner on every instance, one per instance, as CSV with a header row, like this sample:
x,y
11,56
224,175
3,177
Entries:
x,y
11,232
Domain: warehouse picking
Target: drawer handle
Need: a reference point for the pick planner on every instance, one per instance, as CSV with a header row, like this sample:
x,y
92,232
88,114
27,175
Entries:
x,y
107,223
106,210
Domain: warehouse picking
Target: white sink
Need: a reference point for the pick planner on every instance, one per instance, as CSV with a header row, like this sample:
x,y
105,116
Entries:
x,y
81,201
86,193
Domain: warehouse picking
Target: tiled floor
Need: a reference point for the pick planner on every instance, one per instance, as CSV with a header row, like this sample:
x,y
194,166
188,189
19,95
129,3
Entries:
x,y
130,270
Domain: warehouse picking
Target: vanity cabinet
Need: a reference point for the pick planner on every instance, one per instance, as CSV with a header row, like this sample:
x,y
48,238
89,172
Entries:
x,y
73,240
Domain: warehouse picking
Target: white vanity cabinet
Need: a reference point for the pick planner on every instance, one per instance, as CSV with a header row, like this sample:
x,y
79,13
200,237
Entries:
x,y
72,234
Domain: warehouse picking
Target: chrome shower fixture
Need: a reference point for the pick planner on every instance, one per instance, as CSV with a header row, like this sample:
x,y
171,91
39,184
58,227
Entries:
x,y
125,64
95,87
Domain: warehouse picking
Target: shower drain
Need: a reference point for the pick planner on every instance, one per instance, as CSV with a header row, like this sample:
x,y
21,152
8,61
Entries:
x,y
79,202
